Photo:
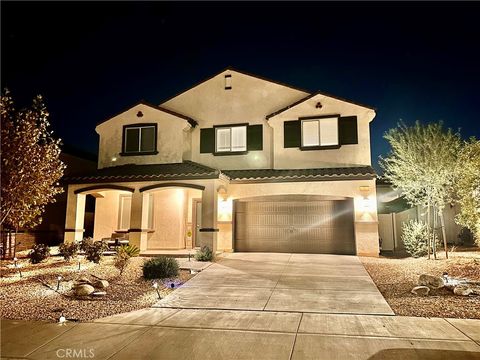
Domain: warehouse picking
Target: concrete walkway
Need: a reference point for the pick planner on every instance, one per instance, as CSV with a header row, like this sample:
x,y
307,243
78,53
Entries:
x,y
282,282
225,334
253,326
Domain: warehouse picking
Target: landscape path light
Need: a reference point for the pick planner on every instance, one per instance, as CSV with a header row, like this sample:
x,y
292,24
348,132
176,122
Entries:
x,y
155,285
16,266
59,278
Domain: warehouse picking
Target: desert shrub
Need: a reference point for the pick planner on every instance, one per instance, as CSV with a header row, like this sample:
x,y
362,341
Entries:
x,y
68,250
39,253
415,238
93,249
204,254
160,268
124,253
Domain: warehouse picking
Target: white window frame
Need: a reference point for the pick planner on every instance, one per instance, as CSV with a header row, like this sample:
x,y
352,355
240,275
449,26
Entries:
x,y
319,121
230,150
139,139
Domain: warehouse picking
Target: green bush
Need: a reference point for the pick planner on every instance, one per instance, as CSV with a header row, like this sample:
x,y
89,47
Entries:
x,y
204,254
68,250
93,249
124,253
39,253
160,268
415,238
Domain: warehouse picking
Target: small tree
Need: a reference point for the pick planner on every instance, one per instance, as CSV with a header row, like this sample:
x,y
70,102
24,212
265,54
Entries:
x,y
31,167
468,187
422,166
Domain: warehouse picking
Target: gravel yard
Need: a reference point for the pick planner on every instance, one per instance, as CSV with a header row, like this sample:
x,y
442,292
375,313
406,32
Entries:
x,y
396,277
27,298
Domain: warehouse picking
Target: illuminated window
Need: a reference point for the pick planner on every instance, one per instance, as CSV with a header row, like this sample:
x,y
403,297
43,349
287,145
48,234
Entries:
x,y
139,139
320,132
231,139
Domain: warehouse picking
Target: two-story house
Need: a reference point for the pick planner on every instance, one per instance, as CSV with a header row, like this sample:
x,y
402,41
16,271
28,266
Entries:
x,y
238,163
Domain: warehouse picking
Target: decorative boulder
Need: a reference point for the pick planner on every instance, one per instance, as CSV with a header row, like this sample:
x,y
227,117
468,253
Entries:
x,y
433,282
101,284
83,280
84,290
462,290
421,290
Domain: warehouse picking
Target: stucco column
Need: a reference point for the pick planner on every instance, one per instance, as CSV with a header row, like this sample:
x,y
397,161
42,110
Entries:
x,y
209,227
74,217
138,221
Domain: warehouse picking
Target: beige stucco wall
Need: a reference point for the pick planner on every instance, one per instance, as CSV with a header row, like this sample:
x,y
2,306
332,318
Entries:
x,y
172,137
249,101
106,214
170,207
346,155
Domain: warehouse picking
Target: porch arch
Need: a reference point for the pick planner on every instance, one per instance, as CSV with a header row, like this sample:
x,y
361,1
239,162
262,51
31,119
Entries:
x,y
172,184
103,187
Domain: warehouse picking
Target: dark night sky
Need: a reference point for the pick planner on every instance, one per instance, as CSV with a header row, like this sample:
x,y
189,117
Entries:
x,y
91,60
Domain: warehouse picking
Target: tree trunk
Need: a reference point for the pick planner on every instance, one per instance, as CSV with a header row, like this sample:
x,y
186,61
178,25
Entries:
x,y
434,244
444,234
428,229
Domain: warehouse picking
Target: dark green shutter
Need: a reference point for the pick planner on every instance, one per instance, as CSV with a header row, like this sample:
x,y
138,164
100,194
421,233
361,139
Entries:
x,y
292,135
207,141
255,137
347,130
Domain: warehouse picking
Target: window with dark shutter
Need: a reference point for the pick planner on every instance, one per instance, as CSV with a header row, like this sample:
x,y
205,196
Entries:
x,y
255,137
348,130
139,139
207,141
292,135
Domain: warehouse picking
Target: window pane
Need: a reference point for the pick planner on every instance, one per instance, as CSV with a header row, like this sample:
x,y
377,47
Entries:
x,y
148,139
239,138
223,139
132,139
125,207
329,131
310,136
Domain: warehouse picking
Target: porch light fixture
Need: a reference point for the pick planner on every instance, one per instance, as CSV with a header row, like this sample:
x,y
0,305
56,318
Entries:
x,y
155,286
59,278
367,204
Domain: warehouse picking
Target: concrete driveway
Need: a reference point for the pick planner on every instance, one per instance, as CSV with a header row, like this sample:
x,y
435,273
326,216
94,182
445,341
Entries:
x,y
282,282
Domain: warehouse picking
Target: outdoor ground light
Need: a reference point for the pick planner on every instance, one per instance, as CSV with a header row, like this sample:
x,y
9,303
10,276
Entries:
x,y
62,319
17,267
445,277
155,285
59,278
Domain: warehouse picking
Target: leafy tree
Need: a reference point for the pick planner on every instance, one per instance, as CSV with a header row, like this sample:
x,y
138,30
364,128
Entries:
x,y
31,167
422,165
468,187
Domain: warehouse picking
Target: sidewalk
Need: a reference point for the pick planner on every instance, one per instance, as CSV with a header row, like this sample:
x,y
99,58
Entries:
x,y
164,333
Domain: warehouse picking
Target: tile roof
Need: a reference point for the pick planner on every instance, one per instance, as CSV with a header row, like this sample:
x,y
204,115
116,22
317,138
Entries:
x,y
131,172
284,175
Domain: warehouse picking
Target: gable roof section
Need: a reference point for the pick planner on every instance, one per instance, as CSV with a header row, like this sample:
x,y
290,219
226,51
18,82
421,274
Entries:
x,y
191,121
230,68
186,170
297,175
311,96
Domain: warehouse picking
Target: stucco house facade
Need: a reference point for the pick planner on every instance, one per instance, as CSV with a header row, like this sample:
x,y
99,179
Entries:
x,y
237,163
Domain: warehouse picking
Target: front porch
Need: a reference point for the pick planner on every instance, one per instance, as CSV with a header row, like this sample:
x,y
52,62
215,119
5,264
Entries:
x,y
161,218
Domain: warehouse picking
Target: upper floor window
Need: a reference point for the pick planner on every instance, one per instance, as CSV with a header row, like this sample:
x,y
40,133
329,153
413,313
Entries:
x,y
320,132
231,138
140,139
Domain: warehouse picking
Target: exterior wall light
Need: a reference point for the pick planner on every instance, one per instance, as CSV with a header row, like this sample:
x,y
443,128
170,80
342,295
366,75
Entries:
x,y
367,204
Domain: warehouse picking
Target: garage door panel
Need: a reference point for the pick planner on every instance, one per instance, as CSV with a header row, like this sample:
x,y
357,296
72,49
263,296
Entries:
x,y
323,226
